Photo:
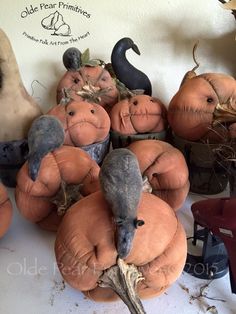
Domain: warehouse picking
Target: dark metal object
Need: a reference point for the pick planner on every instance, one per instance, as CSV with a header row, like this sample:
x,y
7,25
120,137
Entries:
x,y
213,263
216,218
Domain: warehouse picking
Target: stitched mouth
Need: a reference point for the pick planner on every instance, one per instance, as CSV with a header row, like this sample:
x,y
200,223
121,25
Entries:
x,y
140,114
84,122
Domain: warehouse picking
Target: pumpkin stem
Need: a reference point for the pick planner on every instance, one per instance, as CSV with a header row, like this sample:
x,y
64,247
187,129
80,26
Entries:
x,y
224,112
66,196
66,98
123,279
190,74
92,93
194,57
146,185
124,92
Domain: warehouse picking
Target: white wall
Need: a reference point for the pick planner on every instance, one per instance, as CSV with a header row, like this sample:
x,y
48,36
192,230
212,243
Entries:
x,y
165,32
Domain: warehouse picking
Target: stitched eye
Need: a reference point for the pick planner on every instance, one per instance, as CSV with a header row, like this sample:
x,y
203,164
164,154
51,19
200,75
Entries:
x,y
76,80
71,113
210,99
92,111
135,103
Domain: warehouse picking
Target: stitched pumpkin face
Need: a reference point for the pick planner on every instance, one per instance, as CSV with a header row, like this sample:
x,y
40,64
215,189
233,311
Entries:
x,y
138,114
85,246
199,102
64,174
95,76
84,123
5,211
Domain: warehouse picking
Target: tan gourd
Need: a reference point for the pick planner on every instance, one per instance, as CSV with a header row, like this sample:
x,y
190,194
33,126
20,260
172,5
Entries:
x,y
18,108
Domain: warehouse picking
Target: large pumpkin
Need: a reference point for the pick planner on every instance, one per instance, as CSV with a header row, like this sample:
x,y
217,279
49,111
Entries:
x,y
65,169
138,114
201,105
120,227
165,168
85,246
84,122
5,210
95,77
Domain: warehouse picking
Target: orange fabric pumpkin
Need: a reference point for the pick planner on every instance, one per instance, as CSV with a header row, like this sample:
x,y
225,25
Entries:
x,y
195,106
84,123
69,165
138,114
165,168
85,246
5,211
95,76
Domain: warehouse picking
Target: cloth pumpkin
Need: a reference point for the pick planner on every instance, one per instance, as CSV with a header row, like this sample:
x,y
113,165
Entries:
x,y
95,78
165,168
66,169
105,225
138,114
5,210
202,104
85,246
84,122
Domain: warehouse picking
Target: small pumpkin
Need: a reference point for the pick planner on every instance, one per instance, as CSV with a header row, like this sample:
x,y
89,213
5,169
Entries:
x,y
64,174
84,122
165,169
92,77
203,107
120,221
5,210
138,114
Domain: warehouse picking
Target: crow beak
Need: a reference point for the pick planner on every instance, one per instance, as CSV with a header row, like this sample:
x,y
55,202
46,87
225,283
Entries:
x,y
135,49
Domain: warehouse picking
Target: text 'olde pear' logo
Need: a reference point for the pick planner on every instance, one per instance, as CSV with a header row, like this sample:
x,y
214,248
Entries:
x,y
55,22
